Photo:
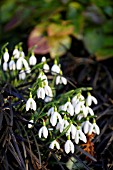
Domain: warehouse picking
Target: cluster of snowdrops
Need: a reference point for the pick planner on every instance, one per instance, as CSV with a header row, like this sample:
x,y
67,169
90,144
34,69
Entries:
x,y
68,115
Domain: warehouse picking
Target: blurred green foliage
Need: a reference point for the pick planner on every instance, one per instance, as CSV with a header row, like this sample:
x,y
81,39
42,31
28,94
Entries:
x,y
92,22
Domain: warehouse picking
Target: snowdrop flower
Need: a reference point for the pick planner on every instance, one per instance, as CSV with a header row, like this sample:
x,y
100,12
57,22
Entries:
x,y
80,116
46,68
6,55
55,68
12,65
22,75
54,116
22,62
16,53
62,124
53,144
86,127
43,131
30,104
32,60
94,128
69,146
61,80
80,136
51,111
21,53
69,108
78,107
41,93
43,77
87,110
91,99
5,66
45,65
48,90
30,125
72,130
48,99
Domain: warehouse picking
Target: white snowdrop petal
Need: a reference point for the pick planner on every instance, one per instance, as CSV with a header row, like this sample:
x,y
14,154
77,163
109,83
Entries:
x,y
55,69
57,80
32,60
45,132
57,145
50,111
41,93
71,147
53,119
46,68
70,109
12,65
73,131
16,53
40,132
86,127
82,136
5,66
77,108
48,90
51,146
77,137
19,64
67,146
96,129
6,56
94,100
64,80
22,75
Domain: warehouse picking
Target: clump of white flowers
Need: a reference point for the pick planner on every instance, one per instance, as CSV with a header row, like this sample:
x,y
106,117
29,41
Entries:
x,y
69,115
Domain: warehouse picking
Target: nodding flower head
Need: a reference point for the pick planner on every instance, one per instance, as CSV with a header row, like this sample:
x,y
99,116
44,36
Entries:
x,y
6,55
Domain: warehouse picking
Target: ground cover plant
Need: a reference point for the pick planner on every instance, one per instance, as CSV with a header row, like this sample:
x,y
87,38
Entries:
x,y
56,85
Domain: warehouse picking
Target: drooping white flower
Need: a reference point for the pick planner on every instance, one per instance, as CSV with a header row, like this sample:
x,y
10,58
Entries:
x,y
12,65
16,53
77,98
32,60
86,127
48,99
21,54
91,99
30,104
55,69
54,144
22,75
87,110
72,130
6,56
62,124
43,77
69,146
54,116
5,66
69,108
48,90
41,93
61,80
30,125
43,59
78,107
46,68
43,131
80,136
22,62
51,111
94,129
